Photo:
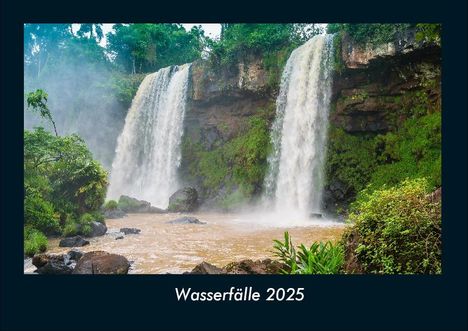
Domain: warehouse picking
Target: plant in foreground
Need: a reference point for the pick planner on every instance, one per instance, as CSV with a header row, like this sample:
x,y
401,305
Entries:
x,y
319,258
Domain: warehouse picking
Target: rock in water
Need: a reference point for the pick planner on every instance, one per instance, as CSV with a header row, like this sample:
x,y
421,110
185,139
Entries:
x,y
75,254
259,267
75,241
56,264
100,262
186,220
130,230
131,205
205,268
315,215
183,200
97,229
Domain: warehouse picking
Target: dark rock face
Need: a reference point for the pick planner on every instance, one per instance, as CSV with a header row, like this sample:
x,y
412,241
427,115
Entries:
x,y
56,264
114,213
99,262
130,230
97,229
377,81
186,220
205,268
258,267
220,102
376,90
183,200
75,241
131,205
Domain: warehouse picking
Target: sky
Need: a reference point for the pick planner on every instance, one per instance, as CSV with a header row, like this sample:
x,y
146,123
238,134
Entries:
x,y
212,30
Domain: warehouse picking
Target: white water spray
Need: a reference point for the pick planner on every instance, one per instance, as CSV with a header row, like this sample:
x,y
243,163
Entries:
x,y
148,149
294,182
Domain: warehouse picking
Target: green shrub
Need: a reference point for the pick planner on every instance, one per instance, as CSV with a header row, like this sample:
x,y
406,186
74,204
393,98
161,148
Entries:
x,y
396,230
34,241
429,32
111,205
70,228
320,258
371,33
39,214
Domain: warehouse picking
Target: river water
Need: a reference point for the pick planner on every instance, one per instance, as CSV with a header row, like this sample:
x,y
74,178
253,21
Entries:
x,y
174,248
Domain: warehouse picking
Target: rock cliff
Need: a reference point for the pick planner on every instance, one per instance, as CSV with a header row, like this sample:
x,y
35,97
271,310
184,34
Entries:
x,y
376,88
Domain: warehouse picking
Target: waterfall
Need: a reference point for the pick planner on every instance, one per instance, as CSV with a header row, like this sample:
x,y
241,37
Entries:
x,y
295,179
148,149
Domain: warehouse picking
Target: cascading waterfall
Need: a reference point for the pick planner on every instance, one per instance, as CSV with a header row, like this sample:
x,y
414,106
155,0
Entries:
x,y
148,149
294,181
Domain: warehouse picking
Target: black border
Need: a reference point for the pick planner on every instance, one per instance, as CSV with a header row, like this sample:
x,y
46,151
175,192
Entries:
x,y
148,302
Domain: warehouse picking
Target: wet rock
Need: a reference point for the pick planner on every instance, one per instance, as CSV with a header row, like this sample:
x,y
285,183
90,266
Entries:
x,y
53,264
100,262
131,205
205,268
97,229
183,200
119,237
186,220
75,241
315,215
130,231
75,254
258,267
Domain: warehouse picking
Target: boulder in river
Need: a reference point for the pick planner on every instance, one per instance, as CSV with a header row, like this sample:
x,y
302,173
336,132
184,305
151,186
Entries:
x,y
56,264
130,231
206,268
75,254
186,220
258,267
183,200
75,241
97,229
100,262
132,205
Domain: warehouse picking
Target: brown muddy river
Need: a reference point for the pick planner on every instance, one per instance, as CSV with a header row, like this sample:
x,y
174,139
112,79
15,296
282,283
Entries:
x,y
174,248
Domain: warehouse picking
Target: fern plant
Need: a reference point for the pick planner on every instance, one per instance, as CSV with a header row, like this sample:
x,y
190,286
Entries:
x,y
319,258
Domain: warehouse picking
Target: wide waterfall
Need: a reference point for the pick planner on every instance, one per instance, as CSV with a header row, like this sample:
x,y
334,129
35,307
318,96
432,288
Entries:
x,y
148,149
295,179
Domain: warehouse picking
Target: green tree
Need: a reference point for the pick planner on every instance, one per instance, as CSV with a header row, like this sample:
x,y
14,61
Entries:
x,y
37,102
149,47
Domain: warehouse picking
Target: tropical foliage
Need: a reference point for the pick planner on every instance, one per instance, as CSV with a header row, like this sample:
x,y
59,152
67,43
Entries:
x,y
62,181
395,230
319,258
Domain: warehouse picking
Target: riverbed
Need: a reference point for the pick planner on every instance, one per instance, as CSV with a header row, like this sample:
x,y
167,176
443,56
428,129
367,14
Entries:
x,y
162,248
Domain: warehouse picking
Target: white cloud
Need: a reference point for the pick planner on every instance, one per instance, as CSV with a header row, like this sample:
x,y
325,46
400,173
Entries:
x,y
212,30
